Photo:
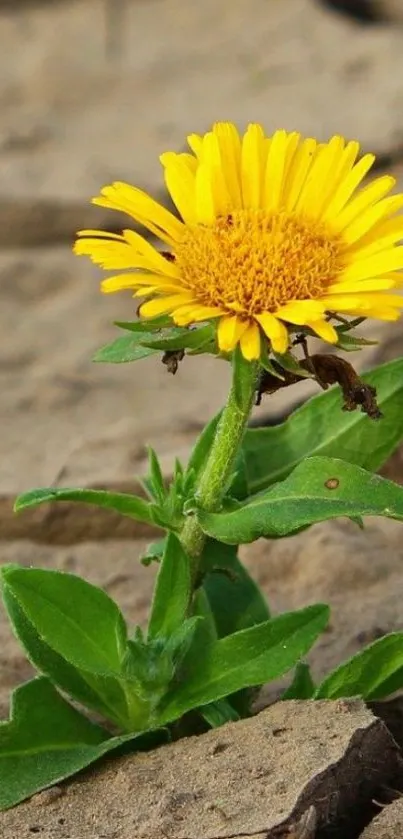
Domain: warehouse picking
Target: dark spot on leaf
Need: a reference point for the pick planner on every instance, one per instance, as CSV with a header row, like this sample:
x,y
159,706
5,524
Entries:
x,y
332,483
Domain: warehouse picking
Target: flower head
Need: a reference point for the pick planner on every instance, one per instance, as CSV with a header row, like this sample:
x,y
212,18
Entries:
x,y
271,233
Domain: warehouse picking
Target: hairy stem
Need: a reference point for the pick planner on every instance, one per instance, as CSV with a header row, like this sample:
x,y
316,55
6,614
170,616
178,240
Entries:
x,y
216,476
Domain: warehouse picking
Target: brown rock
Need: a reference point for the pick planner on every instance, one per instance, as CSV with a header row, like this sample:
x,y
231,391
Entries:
x,y
389,823
258,777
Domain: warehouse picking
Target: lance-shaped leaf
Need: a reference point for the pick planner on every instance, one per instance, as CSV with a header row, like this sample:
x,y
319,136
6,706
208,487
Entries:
x,y
302,685
235,600
374,673
120,502
103,694
47,740
172,591
320,427
177,338
77,620
245,659
126,348
149,325
201,449
320,488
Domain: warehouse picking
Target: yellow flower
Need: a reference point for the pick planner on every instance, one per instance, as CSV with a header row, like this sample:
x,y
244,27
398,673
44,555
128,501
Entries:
x,y
272,233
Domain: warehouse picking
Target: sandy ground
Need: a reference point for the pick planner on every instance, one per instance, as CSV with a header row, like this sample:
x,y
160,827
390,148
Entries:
x,y
90,93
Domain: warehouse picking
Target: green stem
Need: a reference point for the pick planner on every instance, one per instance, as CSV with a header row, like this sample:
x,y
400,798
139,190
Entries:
x,y
219,467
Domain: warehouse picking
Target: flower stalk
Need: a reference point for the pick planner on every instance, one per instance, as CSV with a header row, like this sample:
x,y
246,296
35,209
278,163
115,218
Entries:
x,y
216,476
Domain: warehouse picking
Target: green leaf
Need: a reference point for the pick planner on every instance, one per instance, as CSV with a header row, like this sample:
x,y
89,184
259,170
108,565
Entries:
x,y
241,379
148,325
218,713
320,488
268,365
179,338
155,482
124,349
153,553
47,740
172,591
289,363
302,686
150,668
76,619
235,600
352,343
245,659
320,427
123,503
201,449
103,694
178,644
373,673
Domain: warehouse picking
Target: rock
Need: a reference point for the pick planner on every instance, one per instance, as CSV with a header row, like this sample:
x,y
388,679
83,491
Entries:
x,y
257,777
389,823
367,11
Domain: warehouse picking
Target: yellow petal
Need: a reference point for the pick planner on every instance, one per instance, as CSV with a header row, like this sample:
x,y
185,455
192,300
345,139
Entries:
x,y
193,313
180,183
349,302
275,331
213,164
274,175
156,260
100,234
373,215
379,284
348,187
299,170
108,253
157,288
377,313
204,196
187,161
368,196
122,281
230,329
162,304
221,197
140,206
324,330
252,157
195,142
379,238
313,193
377,265
230,153
338,173
300,311
293,141
129,250
250,342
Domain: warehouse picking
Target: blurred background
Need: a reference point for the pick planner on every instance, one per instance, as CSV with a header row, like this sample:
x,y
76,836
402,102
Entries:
x,y
95,90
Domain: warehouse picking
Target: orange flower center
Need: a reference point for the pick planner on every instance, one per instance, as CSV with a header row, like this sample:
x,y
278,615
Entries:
x,y
252,262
